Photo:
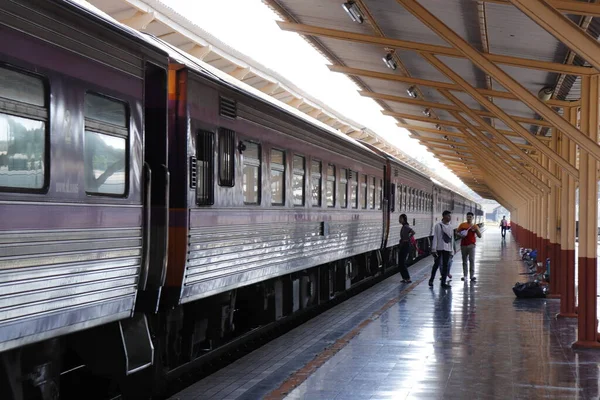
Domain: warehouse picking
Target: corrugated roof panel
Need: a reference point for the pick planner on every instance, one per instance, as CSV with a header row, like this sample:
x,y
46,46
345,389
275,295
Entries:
x,y
398,23
418,67
511,32
460,15
325,13
467,70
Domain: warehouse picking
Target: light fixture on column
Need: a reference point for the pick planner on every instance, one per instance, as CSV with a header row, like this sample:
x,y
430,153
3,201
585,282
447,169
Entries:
x,y
545,93
353,11
389,61
412,92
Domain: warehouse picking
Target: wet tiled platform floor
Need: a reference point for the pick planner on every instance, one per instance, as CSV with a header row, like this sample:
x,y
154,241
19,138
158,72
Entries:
x,y
473,341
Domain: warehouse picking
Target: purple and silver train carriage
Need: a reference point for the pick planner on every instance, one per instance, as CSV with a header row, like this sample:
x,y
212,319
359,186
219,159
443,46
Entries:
x,y
152,208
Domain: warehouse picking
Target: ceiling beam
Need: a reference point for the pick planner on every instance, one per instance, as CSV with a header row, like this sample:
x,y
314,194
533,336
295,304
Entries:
x,y
567,6
433,84
517,128
422,119
447,107
429,130
498,136
559,26
441,50
440,141
140,21
508,83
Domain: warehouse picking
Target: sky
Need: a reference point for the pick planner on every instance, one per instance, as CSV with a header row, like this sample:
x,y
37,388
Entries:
x,y
249,26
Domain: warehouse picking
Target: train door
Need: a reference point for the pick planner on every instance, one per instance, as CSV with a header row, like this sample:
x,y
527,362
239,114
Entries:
x,y
156,193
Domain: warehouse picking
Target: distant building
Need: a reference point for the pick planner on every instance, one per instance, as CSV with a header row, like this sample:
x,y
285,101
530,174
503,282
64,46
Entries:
x,y
496,214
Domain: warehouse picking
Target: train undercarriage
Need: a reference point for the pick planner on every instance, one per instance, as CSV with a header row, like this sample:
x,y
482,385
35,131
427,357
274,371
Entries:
x,y
112,361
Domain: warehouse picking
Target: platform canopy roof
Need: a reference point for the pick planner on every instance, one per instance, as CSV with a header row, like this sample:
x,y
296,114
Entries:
x,y
483,84
156,18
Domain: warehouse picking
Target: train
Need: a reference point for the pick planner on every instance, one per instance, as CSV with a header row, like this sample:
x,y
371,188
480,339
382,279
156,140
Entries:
x,y
153,207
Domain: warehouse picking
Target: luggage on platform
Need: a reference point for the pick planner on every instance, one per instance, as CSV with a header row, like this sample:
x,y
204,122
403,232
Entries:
x,y
529,290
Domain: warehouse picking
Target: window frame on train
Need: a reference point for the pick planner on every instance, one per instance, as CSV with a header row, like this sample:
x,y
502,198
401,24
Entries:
x,y
364,191
276,168
301,174
205,193
226,158
255,164
353,179
372,192
105,128
331,181
379,194
16,107
316,176
343,195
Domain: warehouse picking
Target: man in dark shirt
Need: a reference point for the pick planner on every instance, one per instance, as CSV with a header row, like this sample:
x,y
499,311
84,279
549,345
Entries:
x,y
406,232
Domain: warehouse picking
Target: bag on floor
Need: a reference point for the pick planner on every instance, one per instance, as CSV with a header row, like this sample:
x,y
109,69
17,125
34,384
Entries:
x,y
529,290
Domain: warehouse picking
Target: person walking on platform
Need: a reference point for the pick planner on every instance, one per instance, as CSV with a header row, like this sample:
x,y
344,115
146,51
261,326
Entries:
x,y
504,226
468,230
442,247
406,233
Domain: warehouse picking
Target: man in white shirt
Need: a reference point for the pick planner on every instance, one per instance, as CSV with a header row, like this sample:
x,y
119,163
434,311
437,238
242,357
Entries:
x,y
442,246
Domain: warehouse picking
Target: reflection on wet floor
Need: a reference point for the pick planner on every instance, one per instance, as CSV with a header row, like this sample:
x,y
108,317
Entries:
x,y
474,341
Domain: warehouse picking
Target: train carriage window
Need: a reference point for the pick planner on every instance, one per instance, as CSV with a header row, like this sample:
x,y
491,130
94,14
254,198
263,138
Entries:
x,y
105,144
353,178
379,199
372,194
251,184
298,180
23,136
364,193
343,188
417,200
330,186
400,208
277,177
316,179
204,168
226,157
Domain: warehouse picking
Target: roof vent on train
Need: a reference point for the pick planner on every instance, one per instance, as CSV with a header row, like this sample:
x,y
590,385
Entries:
x,y
227,107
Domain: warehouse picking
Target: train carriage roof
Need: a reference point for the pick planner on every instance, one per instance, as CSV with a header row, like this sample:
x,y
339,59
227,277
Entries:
x,y
216,74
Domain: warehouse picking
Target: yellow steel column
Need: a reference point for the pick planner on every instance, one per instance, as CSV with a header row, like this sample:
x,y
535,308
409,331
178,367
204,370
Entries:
x,y
553,224
567,226
587,328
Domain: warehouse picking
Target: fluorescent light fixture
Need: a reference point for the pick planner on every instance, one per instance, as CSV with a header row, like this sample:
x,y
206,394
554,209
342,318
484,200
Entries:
x,y
412,92
389,61
353,11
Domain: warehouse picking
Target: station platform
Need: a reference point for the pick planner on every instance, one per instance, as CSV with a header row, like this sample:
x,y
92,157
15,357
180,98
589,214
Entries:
x,y
412,341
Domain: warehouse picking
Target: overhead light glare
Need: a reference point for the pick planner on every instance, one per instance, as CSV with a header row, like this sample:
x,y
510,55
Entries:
x,y
412,92
353,11
389,61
